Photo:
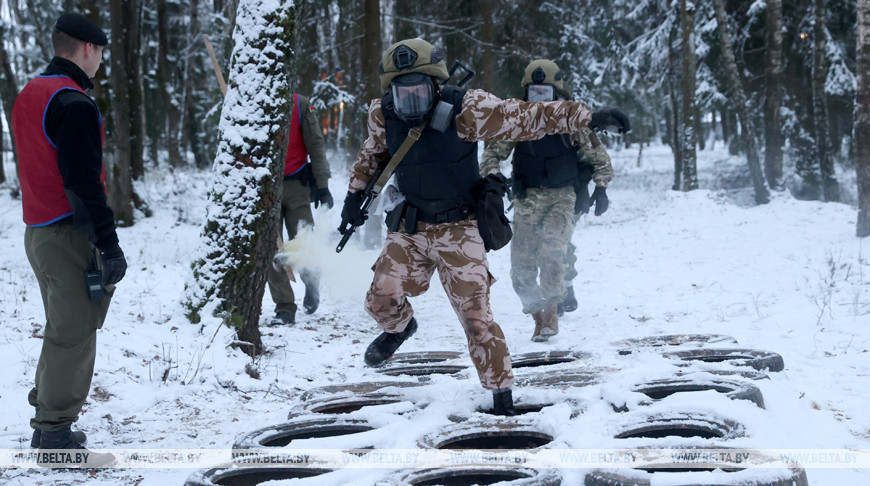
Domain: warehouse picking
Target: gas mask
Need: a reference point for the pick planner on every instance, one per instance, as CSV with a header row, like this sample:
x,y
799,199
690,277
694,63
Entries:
x,y
540,92
413,97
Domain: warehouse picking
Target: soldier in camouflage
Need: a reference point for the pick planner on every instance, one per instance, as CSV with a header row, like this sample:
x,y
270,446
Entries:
x,y
434,227
545,175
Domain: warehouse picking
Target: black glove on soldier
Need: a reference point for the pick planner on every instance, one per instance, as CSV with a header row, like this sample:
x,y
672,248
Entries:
x,y
599,198
496,182
323,196
114,265
610,119
352,212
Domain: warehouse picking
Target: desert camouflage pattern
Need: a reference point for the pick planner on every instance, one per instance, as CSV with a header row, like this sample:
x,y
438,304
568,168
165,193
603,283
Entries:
x,y
543,225
586,139
484,117
404,269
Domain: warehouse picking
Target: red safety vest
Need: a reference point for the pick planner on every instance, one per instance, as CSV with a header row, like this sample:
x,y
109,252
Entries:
x,y
297,154
43,198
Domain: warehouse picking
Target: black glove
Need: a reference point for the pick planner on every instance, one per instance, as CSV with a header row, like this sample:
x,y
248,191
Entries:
x,y
114,265
610,119
582,203
495,182
599,198
352,211
323,196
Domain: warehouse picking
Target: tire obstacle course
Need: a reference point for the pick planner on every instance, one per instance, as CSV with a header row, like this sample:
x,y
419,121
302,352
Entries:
x,y
367,416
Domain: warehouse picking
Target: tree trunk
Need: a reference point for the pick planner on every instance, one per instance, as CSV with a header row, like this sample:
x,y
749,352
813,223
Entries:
x,y
688,137
674,115
747,132
238,241
487,34
773,97
8,93
862,119
371,50
120,186
168,86
830,187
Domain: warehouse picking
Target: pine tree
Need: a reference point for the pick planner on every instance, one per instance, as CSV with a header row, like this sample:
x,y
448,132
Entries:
x,y
238,241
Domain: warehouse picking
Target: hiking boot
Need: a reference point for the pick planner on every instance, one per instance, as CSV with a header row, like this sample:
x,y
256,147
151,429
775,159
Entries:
x,y
283,318
312,299
546,322
383,347
58,450
569,302
76,436
503,403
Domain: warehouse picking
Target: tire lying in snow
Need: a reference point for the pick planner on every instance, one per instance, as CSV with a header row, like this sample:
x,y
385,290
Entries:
x,y
420,357
754,358
348,389
546,358
250,476
732,388
703,466
486,434
422,369
280,435
482,475
628,345
562,379
350,403
681,424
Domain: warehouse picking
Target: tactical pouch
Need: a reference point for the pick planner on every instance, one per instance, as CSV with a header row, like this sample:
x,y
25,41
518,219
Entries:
x,y
517,187
394,217
493,225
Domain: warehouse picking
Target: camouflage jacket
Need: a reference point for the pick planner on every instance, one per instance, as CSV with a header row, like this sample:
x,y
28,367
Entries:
x,y
586,139
483,117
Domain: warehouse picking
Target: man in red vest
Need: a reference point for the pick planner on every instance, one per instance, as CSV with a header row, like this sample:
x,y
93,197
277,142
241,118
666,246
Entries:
x,y
70,239
304,182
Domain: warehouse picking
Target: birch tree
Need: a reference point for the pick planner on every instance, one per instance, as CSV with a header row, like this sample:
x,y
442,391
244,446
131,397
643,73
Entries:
x,y
862,119
238,241
747,132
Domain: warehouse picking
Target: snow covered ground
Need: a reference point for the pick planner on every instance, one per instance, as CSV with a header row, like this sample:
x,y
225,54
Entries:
x,y
788,277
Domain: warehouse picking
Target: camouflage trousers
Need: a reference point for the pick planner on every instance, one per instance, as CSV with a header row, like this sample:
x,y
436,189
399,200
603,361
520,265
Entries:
x,y
571,256
543,224
404,269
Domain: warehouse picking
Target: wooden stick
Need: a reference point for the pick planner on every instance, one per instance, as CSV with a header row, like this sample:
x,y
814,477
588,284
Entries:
x,y
214,62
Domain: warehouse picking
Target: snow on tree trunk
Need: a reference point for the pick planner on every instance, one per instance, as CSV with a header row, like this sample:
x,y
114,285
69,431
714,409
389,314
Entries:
x,y
830,188
862,119
8,93
241,230
762,196
687,128
773,97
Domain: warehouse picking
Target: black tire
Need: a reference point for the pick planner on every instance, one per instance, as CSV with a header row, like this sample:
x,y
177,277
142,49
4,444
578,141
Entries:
x,y
345,404
754,358
279,435
732,388
546,358
486,434
681,424
465,476
249,475
783,476
627,346
355,388
422,369
421,357
561,379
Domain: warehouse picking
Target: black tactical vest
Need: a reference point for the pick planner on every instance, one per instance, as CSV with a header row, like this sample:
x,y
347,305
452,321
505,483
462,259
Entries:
x,y
548,162
438,172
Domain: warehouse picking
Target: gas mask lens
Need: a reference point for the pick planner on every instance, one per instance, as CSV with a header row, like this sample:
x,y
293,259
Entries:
x,y
541,92
413,95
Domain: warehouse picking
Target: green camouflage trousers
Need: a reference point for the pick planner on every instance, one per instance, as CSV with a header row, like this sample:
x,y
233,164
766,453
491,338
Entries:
x,y
543,224
295,209
571,256
404,269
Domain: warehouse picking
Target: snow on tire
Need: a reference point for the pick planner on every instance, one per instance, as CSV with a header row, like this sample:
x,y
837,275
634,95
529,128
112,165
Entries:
x,y
250,475
344,404
422,369
475,475
680,424
629,345
309,427
546,358
487,434
348,389
732,388
754,358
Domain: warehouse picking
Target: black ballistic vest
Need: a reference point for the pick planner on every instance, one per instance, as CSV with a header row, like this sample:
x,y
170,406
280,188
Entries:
x,y
548,162
439,171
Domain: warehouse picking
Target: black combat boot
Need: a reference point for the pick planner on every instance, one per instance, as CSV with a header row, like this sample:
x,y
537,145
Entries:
x,y
76,436
58,450
383,347
569,302
312,298
503,402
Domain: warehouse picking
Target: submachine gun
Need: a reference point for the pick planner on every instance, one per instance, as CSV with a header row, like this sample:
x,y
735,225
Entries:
x,y
379,179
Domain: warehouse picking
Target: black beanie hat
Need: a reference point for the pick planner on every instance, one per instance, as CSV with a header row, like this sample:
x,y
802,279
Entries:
x,y
82,28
